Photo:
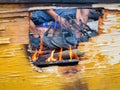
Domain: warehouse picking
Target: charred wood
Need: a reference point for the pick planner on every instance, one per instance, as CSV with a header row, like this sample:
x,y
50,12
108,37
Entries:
x,y
65,55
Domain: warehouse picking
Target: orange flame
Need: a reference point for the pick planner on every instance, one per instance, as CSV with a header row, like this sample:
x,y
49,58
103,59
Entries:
x,y
70,48
41,47
75,55
51,58
35,56
60,54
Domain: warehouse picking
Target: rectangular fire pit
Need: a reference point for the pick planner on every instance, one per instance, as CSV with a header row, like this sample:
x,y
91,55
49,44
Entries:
x,y
58,63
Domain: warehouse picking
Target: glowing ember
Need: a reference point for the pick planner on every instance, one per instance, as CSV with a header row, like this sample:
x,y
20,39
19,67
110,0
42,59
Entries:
x,y
60,54
70,48
35,56
76,56
51,58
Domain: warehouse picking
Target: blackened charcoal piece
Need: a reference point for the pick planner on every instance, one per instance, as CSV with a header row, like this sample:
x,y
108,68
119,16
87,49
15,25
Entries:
x,y
57,63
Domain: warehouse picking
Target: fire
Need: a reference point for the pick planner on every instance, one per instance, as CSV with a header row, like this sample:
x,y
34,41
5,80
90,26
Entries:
x,y
57,56
70,48
41,47
76,56
60,54
35,56
51,58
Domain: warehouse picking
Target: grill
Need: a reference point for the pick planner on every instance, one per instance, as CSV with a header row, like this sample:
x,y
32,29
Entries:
x,y
58,63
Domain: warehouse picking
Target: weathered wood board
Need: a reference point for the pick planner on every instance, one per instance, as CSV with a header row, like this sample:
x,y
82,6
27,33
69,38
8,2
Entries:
x,y
15,26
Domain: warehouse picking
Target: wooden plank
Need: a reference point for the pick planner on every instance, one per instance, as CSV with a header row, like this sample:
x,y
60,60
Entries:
x,y
15,26
13,14
4,40
21,39
18,27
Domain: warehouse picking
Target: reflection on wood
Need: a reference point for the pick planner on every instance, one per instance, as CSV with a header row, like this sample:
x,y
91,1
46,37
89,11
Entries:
x,y
4,40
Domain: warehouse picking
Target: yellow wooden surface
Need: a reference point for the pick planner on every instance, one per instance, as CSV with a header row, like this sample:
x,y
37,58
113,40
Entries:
x,y
16,73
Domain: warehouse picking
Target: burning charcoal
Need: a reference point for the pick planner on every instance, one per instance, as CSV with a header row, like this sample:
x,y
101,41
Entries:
x,y
68,58
65,55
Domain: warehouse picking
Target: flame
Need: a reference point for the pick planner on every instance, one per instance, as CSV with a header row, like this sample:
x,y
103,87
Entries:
x,y
75,55
51,58
60,54
70,53
41,47
35,56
